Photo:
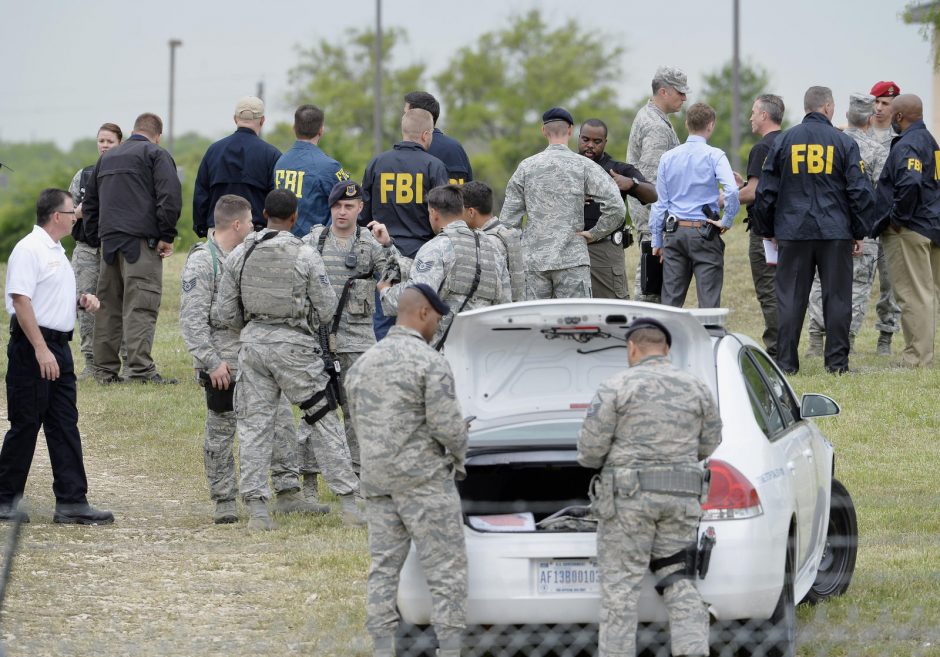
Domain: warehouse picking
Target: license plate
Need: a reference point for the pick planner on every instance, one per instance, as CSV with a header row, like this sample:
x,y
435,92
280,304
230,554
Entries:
x,y
566,576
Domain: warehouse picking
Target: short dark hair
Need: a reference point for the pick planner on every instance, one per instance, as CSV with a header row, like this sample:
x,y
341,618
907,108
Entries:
x,y
446,199
149,124
773,105
644,337
228,208
699,116
113,127
596,123
816,98
424,100
308,119
478,195
49,201
280,204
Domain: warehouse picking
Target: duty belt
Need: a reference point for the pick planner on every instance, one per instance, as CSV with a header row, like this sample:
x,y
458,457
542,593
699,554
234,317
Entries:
x,y
50,335
684,482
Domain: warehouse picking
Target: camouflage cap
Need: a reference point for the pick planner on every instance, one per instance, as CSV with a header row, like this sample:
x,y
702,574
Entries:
x,y
674,77
885,88
647,323
344,190
862,104
436,302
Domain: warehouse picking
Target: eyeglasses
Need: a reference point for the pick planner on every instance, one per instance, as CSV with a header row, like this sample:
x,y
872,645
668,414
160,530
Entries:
x,y
66,211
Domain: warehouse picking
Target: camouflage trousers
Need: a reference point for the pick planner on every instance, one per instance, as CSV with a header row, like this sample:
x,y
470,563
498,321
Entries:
x,y
428,514
219,453
85,264
308,458
268,373
642,235
864,268
568,283
645,526
889,312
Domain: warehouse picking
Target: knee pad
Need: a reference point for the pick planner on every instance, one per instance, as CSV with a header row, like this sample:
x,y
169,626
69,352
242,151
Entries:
x,y
685,557
321,403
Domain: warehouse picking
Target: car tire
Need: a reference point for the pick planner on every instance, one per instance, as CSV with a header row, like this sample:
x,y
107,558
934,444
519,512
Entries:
x,y
838,561
415,640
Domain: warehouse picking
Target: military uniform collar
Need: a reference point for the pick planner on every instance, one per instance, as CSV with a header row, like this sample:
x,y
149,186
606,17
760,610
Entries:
x,y
655,359
407,331
557,147
653,107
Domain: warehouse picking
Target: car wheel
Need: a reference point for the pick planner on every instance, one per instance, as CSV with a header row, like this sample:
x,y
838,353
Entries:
x,y
838,560
415,640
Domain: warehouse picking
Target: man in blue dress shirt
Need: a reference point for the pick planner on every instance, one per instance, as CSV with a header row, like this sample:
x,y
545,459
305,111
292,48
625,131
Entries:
x,y
688,179
308,171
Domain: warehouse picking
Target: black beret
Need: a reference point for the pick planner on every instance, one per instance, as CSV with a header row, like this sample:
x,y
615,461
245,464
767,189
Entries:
x,y
557,114
436,302
345,189
650,323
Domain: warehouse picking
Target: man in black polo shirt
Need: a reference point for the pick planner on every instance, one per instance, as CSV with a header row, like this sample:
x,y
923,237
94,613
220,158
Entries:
x,y
447,149
608,272
766,117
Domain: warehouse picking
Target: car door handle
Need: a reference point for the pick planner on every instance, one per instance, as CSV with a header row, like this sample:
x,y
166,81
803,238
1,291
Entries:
x,y
808,453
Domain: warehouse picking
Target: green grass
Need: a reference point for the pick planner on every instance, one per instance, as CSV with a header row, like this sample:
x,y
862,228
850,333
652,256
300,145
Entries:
x,y
164,581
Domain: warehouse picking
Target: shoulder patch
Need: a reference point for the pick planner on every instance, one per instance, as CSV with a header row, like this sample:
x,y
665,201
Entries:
x,y
189,285
423,266
324,279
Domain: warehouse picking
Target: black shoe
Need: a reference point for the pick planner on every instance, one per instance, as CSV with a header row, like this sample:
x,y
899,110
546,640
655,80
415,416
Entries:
x,y
8,514
154,378
109,379
838,371
81,514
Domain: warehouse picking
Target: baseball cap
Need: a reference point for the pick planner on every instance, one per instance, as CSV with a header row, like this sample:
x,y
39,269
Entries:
x,y
674,77
249,107
557,114
885,88
344,189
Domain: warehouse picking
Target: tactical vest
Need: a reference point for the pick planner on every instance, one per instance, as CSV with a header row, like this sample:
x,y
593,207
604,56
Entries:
x,y
270,286
459,281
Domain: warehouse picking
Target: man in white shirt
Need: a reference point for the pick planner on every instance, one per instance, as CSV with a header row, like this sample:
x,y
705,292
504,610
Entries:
x,y
40,380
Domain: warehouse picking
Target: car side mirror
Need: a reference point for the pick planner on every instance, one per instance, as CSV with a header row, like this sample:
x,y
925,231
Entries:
x,y
814,405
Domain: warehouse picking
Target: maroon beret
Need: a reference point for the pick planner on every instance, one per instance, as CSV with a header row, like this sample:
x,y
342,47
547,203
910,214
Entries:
x,y
885,88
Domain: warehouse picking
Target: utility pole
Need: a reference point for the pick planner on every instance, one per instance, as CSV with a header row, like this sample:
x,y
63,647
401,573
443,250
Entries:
x,y
174,44
736,93
377,92
260,93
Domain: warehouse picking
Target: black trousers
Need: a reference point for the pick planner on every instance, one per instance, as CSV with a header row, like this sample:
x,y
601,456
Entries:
x,y
797,262
34,402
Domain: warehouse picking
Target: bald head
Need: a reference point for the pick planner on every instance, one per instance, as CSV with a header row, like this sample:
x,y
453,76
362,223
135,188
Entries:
x,y
416,312
415,122
909,105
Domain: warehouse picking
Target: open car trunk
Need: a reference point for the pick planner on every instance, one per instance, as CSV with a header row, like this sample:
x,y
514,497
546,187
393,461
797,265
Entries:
x,y
540,482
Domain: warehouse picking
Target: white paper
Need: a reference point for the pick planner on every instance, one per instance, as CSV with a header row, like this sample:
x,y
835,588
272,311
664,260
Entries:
x,y
770,252
508,522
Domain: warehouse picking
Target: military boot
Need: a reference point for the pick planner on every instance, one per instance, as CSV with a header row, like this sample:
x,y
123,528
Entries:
x,y
815,349
383,646
258,518
884,343
290,501
89,371
226,512
310,488
352,516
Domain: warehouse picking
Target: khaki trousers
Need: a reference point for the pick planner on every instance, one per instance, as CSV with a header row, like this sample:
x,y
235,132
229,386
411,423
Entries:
x,y
914,268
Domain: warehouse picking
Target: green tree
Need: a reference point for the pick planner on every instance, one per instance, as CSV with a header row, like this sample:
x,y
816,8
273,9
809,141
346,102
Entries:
x,y
339,76
927,15
494,92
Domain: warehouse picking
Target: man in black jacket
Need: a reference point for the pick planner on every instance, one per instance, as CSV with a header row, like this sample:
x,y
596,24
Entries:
x,y
908,220
132,204
814,200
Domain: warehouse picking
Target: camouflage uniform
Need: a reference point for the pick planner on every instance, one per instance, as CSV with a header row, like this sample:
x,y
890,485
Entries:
x,y
448,264
647,428
889,312
550,188
509,243
85,264
354,334
865,265
414,441
280,295
651,135
211,343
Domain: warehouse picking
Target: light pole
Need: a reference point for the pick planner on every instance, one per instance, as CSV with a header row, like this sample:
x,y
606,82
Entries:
x,y
174,44
377,92
736,94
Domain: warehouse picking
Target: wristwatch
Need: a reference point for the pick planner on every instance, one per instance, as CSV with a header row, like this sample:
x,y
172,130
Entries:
x,y
636,183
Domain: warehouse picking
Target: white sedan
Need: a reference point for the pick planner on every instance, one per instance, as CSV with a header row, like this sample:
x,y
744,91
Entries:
x,y
785,529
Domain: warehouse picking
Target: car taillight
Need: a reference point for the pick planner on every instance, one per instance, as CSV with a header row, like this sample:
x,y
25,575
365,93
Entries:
x,y
731,495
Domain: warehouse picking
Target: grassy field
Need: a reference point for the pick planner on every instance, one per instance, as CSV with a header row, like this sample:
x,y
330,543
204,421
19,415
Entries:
x,y
164,581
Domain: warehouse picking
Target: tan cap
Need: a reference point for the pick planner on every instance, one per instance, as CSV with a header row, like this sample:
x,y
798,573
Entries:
x,y
249,107
674,77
